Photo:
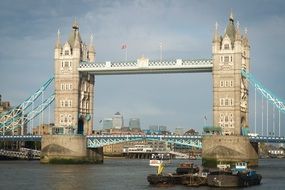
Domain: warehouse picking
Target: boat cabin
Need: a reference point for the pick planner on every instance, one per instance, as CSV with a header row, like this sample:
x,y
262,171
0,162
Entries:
x,y
241,166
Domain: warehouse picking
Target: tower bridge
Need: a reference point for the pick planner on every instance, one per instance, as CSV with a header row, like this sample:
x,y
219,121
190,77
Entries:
x,y
74,85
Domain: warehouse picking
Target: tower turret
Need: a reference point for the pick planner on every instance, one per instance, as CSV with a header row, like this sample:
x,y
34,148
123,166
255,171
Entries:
x,y
216,43
91,50
73,89
231,30
58,47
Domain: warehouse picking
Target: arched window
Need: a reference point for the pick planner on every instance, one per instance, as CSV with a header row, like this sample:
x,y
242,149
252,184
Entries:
x,y
226,102
226,46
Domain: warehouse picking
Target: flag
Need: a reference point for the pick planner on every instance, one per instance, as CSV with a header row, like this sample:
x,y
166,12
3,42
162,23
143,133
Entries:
x,y
124,46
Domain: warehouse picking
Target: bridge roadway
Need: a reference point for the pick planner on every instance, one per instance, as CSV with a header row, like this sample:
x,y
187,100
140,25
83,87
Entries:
x,y
94,141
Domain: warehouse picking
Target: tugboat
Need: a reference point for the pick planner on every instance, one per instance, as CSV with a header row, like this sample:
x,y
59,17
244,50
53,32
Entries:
x,y
240,176
159,160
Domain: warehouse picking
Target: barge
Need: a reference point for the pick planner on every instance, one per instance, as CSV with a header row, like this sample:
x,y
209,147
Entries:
x,y
240,176
190,175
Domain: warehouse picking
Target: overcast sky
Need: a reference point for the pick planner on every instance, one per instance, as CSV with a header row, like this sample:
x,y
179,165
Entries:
x,y
185,28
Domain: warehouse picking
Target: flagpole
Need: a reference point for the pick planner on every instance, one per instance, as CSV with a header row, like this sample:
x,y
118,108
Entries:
x,y
126,53
205,121
160,45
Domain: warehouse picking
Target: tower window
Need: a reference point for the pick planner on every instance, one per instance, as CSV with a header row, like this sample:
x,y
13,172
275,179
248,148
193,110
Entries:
x,y
231,83
221,83
226,59
231,102
61,118
221,101
226,102
66,52
226,46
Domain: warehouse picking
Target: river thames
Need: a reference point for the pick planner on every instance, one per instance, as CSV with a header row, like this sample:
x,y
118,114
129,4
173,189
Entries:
x,y
113,174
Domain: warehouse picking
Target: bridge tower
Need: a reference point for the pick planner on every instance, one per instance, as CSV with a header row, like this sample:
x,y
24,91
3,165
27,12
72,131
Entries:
x,y
230,100
74,93
230,89
74,90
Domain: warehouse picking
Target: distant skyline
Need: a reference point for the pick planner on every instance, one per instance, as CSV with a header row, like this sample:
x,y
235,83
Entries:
x,y
185,29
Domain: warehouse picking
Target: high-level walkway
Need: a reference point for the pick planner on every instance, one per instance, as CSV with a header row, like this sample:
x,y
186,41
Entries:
x,y
144,66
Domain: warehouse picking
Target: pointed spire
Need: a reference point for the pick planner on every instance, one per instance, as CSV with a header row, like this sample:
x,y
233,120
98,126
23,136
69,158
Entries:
x,y
216,33
232,15
58,43
91,46
75,25
238,37
76,40
245,37
231,30
91,39
75,32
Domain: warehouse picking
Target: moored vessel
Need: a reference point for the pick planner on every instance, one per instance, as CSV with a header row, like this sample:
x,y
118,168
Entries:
x,y
240,176
186,174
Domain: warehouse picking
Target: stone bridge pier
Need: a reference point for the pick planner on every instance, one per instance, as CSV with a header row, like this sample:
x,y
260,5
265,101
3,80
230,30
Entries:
x,y
69,149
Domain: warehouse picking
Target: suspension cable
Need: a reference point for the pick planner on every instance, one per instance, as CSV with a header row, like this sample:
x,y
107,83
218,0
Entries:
x,y
279,124
273,120
49,114
262,107
255,110
267,117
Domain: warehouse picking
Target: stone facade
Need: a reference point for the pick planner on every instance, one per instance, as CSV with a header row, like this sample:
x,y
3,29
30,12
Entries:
x,y
230,100
230,89
74,90
68,149
228,149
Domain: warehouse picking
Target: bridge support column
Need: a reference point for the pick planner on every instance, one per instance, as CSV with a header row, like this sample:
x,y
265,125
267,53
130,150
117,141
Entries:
x,y
228,149
68,149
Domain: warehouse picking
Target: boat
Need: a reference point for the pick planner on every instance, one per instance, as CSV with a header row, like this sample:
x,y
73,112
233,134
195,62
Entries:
x,y
159,158
186,174
240,176
186,168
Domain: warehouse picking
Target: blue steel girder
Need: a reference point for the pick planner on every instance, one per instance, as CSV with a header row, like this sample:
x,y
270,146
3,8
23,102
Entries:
x,y
277,102
18,121
5,117
94,141
267,139
102,140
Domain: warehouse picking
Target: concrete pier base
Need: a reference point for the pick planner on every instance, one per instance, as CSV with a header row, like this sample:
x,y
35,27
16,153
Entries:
x,y
69,149
228,149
